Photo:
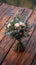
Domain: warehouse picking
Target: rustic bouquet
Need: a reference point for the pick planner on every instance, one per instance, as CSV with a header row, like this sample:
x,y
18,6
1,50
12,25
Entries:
x,y
17,29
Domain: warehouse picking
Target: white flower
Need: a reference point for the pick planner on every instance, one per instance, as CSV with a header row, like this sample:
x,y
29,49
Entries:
x,y
17,25
8,25
21,23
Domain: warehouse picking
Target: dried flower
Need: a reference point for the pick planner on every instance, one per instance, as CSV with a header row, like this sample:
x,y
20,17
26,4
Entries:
x,y
12,31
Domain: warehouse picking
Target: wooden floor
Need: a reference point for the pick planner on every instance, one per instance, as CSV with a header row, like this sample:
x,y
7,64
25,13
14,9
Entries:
x,y
7,54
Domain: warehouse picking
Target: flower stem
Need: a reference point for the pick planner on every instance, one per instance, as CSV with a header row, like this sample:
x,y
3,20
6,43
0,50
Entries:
x,y
19,46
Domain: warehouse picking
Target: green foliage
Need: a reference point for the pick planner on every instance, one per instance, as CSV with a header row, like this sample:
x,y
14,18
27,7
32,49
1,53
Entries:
x,y
20,47
3,1
33,1
14,2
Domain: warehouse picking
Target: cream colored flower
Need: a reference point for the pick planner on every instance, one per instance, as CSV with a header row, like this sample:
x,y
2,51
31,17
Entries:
x,y
21,23
17,25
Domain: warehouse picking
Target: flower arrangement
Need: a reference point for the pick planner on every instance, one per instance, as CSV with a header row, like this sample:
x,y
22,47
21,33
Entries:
x,y
17,29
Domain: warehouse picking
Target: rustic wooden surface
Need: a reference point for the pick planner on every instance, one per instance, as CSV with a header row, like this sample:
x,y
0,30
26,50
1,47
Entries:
x,y
7,54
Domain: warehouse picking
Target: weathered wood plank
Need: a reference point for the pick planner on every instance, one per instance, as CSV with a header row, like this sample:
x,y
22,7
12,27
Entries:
x,y
15,56
31,21
4,20
3,8
32,18
28,13
19,57
6,49
16,59
10,18
2,35
32,44
31,50
3,39
27,46
10,55
4,45
7,9
5,15
13,59
21,10
24,41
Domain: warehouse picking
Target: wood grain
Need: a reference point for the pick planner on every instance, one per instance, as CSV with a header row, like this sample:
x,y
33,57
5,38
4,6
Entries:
x,y
21,59
5,15
16,60
6,46
5,19
25,42
8,56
